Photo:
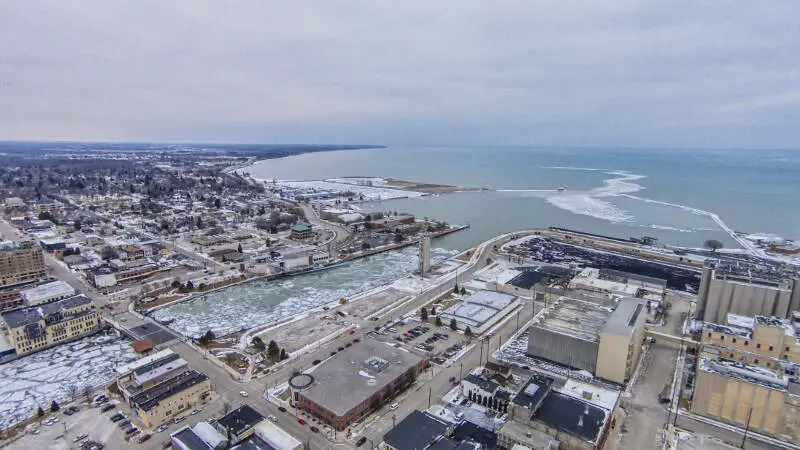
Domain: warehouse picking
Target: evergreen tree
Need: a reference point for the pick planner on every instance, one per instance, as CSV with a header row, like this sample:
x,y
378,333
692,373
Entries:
x,y
259,344
453,324
273,351
284,355
54,406
423,314
40,412
468,332
438,321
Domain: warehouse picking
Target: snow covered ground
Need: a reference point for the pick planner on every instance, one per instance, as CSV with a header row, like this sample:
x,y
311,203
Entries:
x,y
58,374
337,185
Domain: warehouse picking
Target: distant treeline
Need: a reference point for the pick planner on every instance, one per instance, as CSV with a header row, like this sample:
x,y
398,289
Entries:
x,y
20,148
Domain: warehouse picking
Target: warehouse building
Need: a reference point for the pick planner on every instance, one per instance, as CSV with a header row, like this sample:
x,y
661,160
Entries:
x,y
480,310
350,385
577,334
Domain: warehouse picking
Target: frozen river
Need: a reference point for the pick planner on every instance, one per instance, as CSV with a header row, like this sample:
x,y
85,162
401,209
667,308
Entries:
x,y
59,374
261,302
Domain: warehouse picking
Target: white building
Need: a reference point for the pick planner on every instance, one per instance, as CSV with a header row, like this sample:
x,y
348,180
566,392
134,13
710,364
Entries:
x,y
47,292
276,437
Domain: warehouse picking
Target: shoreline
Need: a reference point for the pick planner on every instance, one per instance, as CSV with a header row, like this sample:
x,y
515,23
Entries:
x,y
274,277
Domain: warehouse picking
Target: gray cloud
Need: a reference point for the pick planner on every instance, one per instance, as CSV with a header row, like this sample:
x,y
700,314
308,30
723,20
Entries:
x,y
635,73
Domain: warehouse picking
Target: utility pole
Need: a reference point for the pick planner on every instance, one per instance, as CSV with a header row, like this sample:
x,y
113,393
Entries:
x,y
746,427
430,391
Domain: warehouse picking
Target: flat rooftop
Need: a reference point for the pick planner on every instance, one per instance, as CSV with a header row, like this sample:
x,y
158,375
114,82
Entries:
x,y
577,318
569,414
240,420
150,398
144,377
187,439
346,380
142,362
478,308
745,372
47,291
626,318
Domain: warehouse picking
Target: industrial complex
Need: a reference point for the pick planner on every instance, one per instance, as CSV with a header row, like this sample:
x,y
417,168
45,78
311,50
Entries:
x,y
603,340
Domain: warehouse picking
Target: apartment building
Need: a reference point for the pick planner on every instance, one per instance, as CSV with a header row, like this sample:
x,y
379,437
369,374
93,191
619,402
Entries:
x,y
20,262
162,402
37,327
161,385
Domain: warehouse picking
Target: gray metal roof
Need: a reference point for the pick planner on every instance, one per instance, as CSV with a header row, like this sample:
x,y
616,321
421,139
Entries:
x,y
343,382
26,316
629,315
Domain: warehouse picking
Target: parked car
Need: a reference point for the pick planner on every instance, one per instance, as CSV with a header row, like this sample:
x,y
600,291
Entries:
x,y
281,409
124,423
316,361
243,393
272,418
178,419
68,412
315,429
80,437
394,406
144,437
106,408
301,421
117,417
361,441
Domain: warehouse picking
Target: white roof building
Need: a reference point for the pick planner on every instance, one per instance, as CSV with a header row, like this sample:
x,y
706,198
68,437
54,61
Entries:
x,y
276,436
43,293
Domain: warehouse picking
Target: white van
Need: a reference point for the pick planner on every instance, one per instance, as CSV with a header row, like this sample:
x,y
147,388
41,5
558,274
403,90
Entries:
x,y
394,406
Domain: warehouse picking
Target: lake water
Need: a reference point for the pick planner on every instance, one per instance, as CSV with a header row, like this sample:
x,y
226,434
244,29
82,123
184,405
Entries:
x,y
757,192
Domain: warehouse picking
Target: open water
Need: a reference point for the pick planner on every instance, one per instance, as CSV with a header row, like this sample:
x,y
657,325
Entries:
x,y
607,191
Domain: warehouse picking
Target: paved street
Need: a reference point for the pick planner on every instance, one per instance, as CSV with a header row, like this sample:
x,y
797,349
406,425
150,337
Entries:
x,y
646,416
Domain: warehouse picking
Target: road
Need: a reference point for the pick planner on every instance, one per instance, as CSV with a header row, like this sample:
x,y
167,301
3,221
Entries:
x,y
433,383
342,233
646,417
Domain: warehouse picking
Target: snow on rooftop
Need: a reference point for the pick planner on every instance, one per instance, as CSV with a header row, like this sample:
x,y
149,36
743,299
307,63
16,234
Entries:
x,y
740,321
590,393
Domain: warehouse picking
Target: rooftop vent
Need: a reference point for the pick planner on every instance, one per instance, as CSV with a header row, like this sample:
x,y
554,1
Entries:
x,y
376,364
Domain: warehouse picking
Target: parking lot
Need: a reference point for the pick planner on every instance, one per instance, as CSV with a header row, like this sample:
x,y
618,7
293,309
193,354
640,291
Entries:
x,y
436,342
91,423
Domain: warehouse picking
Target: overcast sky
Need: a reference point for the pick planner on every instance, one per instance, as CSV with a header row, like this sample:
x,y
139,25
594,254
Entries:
x,y
647,73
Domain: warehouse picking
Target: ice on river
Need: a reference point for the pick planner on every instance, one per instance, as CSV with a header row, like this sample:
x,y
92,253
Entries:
x,y
58,374
261,302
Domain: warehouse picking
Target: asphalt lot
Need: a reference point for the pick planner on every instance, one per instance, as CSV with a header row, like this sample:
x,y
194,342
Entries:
x,y
437,345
